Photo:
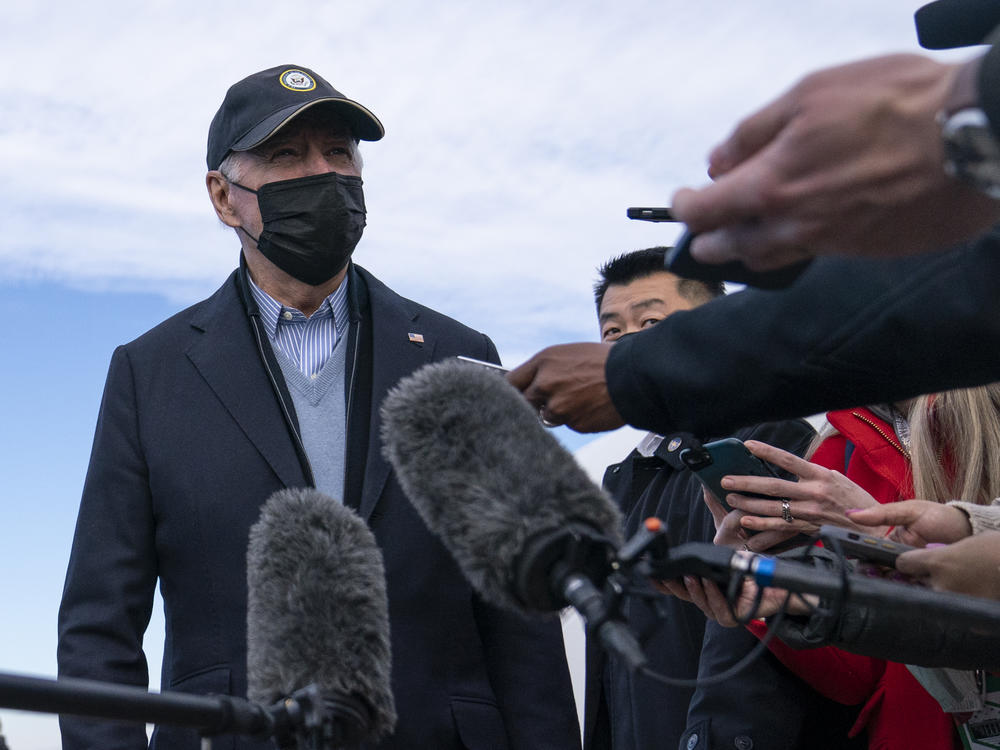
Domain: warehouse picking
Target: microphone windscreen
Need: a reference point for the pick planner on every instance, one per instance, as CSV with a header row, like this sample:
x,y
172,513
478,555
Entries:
x,y
317,610
483,473
944,24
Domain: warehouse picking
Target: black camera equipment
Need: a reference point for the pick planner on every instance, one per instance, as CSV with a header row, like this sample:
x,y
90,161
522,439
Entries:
x,y
306,720
647,555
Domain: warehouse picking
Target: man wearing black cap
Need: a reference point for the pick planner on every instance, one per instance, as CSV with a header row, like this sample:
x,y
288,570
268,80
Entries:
x,y
273,382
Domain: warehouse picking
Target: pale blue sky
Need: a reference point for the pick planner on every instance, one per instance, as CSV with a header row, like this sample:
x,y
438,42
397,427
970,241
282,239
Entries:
x,y
517,134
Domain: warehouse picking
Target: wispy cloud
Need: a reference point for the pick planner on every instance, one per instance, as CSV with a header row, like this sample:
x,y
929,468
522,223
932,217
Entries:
x,y
517,133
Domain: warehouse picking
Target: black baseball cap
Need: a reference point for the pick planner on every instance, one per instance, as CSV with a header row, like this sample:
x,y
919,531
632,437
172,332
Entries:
x,y
261,104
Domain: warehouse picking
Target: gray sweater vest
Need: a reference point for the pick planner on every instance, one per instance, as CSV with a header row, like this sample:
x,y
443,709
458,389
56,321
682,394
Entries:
x,y
320,409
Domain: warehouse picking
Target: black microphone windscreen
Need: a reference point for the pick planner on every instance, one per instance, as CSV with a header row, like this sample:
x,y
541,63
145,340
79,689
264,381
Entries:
x,y
484,475
317,610
944,24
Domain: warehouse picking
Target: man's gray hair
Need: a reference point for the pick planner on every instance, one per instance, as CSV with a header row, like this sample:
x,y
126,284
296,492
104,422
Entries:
x,y
232,166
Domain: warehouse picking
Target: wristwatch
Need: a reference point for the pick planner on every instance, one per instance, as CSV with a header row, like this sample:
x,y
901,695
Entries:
x,y
971,148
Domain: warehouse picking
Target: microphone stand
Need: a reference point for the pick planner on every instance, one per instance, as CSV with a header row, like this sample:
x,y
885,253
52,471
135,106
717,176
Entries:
x,y
305,720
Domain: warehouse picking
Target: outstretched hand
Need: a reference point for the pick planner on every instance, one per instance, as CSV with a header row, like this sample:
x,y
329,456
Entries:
x,y
917,522
709,598
849,161
970,566
729,530
566,383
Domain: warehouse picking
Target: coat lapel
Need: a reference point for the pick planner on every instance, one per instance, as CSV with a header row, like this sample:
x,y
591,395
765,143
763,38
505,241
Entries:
x,y
399,346
226,356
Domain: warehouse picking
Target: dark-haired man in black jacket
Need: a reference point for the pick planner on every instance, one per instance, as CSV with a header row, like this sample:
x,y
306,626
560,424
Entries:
x,y
628,712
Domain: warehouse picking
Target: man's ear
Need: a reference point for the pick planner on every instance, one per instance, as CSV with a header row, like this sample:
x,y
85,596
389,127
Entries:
x,y
219,191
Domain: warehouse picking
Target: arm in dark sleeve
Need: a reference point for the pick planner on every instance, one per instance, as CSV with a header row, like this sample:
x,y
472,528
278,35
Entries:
x,y
889,632
884,633
848,331
526,662
108,595
989,84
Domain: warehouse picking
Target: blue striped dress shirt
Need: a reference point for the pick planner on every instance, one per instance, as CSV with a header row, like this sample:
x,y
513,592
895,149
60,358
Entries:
x,y
308,342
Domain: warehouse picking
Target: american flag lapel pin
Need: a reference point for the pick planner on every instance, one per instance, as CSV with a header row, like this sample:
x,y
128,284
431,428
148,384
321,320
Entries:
x,y
415,338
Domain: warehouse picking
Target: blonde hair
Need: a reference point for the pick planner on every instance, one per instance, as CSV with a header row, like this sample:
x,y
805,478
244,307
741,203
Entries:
x,y
955,445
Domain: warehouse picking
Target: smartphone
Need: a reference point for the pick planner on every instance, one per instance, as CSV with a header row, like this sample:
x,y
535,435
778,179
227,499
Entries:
x,y
680,262
720,458
490,365
874,549
643,213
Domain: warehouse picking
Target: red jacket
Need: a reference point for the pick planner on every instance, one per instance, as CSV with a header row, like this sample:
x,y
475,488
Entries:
x,y
897,712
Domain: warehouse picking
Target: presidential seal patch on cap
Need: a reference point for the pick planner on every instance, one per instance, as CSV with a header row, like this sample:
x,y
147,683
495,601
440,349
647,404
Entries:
x,y
297,80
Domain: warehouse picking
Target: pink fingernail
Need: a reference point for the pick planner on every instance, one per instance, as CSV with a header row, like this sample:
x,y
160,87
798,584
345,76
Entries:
x,y
934,545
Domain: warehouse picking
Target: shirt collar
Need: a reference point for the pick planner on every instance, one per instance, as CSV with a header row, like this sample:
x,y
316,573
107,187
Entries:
x,y
649,443
271,310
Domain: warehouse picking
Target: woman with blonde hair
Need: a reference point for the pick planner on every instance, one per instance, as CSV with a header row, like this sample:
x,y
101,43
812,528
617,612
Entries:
x,y
940,447
955,452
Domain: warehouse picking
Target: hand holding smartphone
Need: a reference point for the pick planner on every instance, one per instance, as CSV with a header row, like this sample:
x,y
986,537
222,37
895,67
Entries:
x,y
865,547
720,458
680,262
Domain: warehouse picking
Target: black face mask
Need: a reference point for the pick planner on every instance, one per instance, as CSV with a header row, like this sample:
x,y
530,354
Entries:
x,y
311,224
